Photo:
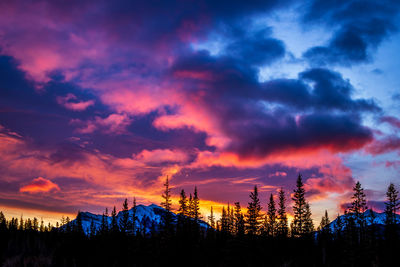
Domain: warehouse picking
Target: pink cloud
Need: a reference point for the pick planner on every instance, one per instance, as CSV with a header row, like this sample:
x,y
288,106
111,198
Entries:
x,y
394,164
393,121
278,174
39,185
161,155
70,102
114,123
384,145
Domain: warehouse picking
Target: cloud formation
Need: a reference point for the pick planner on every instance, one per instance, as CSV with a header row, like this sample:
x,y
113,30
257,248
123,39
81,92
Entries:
x,y
361,26
108,99
39,185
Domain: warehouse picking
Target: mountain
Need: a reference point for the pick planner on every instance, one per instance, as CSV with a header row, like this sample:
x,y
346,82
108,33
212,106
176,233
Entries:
x,y
371,218
148,217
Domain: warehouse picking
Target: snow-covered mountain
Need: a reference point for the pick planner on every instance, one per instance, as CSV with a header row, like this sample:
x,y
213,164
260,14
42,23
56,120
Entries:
x,y
371,218
148,217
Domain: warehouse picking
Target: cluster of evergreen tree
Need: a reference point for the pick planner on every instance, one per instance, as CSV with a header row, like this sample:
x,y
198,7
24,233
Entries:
x,y
274,223
236,239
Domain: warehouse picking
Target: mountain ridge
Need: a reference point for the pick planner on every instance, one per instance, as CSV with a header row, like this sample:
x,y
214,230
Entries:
x,y
148,217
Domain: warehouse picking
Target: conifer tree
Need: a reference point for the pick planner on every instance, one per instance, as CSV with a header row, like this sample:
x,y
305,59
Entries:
x,y
28,224
324,221
114,223
230,219
282,225
253,216
124,223
92,229
392,205
211,218
239,220
196,205
134,217
190,206
104,222
35,224
308,222
299,207
338,227
271,217
41,227
77,227
183,204
68,227
359,204
21,223
166,203
224,221
3,222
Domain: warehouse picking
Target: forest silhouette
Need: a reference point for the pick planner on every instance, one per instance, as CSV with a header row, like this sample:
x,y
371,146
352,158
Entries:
x,y
187,238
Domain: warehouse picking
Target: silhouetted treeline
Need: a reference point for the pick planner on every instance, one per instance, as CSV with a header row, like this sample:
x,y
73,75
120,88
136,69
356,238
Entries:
x,y
237,238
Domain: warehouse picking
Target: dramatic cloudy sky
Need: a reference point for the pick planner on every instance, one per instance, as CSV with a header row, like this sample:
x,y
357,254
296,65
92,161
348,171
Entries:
x,y
101,100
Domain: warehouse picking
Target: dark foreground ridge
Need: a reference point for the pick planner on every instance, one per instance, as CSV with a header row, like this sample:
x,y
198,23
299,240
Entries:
x,y
156,236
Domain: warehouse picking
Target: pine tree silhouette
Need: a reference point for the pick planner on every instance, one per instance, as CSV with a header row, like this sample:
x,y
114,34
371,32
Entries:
x,y
196,205
392,205
282,226
183,204
358,205
104,223
114,223
125,223
224,221
77,227
253,216
211,218
166,203
300,209
239,220
308,222
92,229
190,207
134,217
271,217
324,221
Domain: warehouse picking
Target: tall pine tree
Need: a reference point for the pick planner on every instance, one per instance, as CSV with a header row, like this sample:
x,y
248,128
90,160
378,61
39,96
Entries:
x,y
104,223
183,204
271,217
392,205
114,222
190,206
125,223
134,217
358,205
253,216
239,220
302,222
196,205
167,205
282,225
224,221
211,218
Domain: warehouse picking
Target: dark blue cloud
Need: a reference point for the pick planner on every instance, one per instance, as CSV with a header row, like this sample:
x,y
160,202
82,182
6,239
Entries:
x,y
254,48
321,115
360,27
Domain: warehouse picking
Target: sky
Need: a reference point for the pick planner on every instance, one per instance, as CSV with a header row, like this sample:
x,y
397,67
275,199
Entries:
x,y
102,100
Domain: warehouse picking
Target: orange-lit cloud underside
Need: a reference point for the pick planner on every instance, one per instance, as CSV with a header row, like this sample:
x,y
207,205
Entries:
x,y
39,185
